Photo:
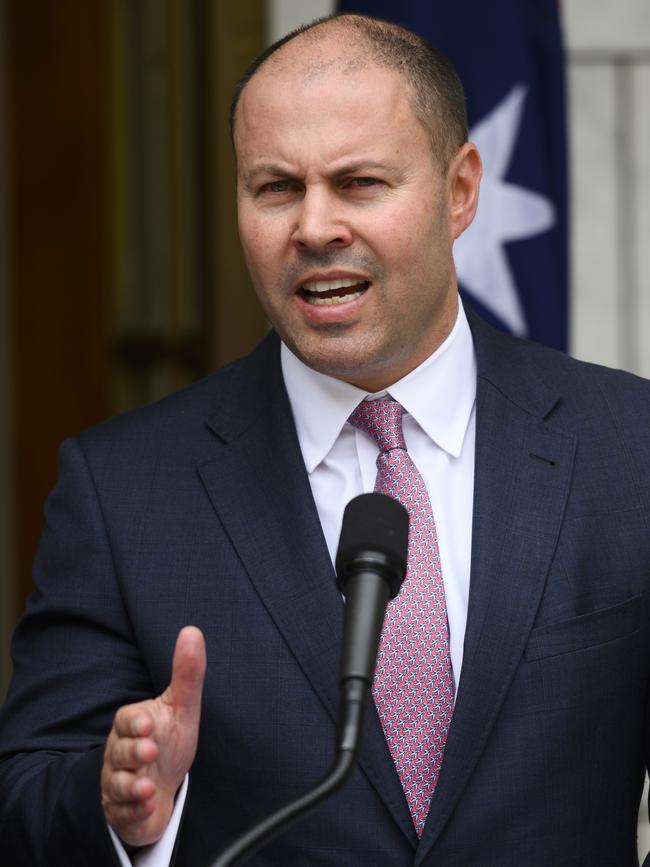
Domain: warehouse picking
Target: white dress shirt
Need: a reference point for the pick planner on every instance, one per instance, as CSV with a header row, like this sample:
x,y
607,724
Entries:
x,y
439,429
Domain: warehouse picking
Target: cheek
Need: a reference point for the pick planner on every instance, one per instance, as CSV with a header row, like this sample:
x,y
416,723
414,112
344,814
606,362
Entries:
x,y
257,247
431,246
412,236
406,254
264,242
392,239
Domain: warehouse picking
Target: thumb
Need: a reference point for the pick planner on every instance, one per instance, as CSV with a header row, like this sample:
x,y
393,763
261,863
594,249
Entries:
x,y
188,672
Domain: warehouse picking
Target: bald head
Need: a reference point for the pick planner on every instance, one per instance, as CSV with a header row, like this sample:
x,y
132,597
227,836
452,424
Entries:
x,y
349,43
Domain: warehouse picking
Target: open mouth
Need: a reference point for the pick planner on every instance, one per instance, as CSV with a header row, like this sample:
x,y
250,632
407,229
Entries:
x,y
332,291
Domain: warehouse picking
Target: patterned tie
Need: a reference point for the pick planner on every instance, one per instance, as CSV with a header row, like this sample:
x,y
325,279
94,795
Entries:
x,y
413,686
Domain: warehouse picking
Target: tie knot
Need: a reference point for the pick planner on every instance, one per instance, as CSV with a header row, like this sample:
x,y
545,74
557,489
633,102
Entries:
x,y
382,420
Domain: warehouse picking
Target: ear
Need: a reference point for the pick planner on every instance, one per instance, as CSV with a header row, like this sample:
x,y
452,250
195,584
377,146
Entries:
x,y
464,178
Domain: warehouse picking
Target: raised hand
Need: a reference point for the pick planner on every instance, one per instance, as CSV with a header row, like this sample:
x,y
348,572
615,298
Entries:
x,y
151,747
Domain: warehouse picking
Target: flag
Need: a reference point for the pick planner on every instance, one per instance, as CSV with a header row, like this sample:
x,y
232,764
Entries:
x,y
512,263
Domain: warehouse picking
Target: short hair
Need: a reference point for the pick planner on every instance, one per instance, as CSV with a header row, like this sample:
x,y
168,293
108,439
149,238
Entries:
x,y
435,90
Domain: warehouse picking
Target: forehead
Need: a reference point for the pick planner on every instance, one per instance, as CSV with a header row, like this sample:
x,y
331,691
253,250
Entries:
x,y
326,101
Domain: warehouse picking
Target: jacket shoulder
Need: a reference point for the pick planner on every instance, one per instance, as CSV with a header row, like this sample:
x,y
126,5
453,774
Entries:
x,y
523,370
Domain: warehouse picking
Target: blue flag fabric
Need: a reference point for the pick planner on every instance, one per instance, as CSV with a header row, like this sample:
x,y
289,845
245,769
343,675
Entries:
x,y
512,263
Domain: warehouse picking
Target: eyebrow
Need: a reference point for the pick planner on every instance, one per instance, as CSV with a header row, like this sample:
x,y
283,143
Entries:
x,y
274,170
268,169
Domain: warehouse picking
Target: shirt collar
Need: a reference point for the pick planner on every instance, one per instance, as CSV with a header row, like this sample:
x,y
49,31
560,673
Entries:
x,y
439,394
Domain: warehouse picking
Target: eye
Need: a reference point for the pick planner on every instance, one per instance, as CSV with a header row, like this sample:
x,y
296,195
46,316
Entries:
x,y
363,186
364,182
275,187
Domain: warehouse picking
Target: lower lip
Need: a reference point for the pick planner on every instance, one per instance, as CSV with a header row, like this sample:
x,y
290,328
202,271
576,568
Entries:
x,y
331,313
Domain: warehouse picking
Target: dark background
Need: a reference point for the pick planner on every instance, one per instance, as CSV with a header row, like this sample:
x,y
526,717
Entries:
x,y
122,276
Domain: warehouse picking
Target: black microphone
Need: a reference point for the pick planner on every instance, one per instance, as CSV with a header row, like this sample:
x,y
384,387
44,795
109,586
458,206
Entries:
x,y
370,565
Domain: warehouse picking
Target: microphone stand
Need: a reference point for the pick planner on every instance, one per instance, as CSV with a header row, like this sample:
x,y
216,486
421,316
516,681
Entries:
x,y
354,694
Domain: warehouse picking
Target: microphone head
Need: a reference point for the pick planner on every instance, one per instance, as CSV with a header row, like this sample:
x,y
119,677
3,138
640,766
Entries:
x,y
374,534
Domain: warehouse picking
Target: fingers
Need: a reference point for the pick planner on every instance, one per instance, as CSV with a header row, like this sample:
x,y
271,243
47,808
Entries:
x,y
188,672
131,816
131,804
133,720
133,753
126,749
125,787
125,766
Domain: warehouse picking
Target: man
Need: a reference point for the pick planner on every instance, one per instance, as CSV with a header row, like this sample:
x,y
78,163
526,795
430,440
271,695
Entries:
x,y
220,507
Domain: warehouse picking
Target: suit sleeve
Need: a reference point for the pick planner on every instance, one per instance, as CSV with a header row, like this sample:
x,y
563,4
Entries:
x,y
75,662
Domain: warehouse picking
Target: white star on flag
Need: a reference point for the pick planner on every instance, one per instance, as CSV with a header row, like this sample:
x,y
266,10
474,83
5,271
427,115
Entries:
x,y
506,212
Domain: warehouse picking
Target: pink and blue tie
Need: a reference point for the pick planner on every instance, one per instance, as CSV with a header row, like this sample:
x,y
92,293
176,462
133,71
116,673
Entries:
x,y
413,687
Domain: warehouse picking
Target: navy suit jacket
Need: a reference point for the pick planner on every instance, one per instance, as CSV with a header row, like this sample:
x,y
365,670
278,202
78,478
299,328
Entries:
x,y
198,510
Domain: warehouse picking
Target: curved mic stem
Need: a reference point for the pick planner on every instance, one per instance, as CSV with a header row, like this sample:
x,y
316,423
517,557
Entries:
x,y
354,693
367,587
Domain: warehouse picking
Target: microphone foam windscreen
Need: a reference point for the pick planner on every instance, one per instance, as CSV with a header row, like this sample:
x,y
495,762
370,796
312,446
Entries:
x,y
374,523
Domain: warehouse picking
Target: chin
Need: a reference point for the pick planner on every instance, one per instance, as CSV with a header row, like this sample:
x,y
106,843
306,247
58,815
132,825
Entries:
x,y
356,370
342,356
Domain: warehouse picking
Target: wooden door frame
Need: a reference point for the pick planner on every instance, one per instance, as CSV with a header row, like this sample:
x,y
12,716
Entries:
x,y
7,580
55,246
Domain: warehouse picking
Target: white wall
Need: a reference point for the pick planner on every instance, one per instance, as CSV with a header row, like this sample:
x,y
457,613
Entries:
x,y
285,15
609,86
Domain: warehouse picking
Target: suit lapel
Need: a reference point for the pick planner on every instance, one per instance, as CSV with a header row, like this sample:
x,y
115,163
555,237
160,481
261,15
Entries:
x,y
522,476
259,488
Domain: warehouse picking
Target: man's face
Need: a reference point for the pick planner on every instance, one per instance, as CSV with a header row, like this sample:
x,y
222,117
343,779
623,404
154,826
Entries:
x,y
344,218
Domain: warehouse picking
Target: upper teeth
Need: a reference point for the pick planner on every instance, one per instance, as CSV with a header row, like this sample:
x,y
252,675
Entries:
x,y
328,285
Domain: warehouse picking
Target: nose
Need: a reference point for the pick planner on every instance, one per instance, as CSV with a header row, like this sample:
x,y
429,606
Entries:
x,y
320,223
